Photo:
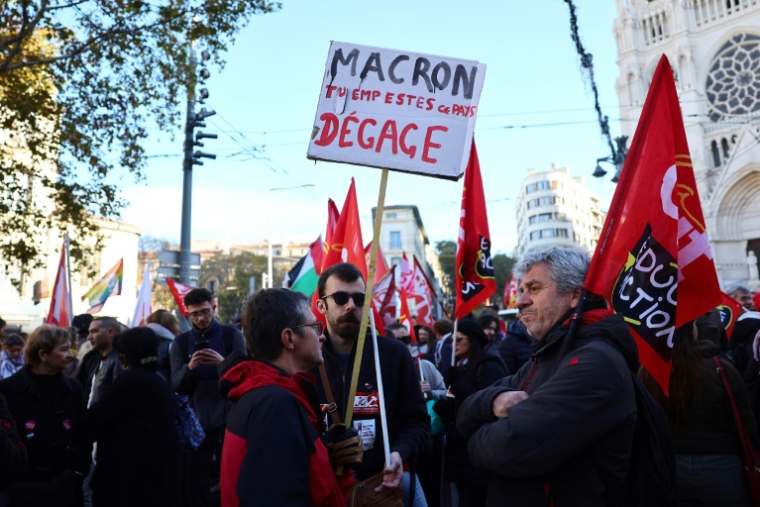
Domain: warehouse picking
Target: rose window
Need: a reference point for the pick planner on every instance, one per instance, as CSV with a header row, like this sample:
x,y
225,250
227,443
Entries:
x,y
733,83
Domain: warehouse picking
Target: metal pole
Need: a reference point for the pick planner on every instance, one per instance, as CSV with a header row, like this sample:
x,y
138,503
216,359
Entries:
x,y
187,184
68,277
269,259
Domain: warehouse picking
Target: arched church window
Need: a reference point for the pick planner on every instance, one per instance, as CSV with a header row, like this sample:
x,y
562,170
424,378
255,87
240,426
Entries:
x,y
715,153
733,82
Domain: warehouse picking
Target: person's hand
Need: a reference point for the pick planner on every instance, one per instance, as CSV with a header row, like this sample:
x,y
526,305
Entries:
x,y
195,360
392,474
425,387
204,356
344,445
505,400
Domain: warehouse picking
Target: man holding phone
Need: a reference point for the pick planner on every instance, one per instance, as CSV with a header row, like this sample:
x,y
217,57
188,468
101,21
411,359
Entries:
x,y
194,358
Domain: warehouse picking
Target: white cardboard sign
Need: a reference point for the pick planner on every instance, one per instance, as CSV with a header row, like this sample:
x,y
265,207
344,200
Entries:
x,y
397,110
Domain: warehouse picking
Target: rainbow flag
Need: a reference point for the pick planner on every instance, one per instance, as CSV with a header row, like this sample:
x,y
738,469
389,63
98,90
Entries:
x,y
108,285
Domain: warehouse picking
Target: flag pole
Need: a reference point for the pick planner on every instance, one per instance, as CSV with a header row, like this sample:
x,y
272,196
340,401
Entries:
x,y
367,306
380,392
68,276
454,343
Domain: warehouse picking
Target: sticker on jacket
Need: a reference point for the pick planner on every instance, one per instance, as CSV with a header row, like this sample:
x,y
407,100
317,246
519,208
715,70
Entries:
x,y
367,403
366,428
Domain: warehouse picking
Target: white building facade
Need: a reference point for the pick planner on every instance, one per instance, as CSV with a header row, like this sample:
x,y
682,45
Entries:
x,y
555,209
714,49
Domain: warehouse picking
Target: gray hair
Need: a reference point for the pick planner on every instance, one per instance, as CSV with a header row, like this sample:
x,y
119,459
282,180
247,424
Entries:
x,y
733,290
567,266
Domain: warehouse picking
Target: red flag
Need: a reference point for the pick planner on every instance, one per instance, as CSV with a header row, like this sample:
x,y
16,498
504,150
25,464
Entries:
x,y
384,297
474,276
423,297
179,291
332,221
729,310
510,293
406,286
756,299
379,326
653,261
346,244
60,311
381,268
406,318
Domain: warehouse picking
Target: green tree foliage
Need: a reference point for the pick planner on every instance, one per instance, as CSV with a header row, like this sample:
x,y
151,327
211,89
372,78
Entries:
x,y
447,256
80,81
232,272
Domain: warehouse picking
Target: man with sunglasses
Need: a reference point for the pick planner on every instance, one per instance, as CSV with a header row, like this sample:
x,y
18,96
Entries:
x,y
195,356
341,290
274,453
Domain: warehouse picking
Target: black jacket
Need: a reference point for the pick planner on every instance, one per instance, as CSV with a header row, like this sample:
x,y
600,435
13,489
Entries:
x,y
137,443
710,427
458,466
517,348
54,436
574,433
406,413
201,384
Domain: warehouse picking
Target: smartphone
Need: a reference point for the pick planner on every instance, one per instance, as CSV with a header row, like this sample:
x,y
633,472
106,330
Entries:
x,y
201,345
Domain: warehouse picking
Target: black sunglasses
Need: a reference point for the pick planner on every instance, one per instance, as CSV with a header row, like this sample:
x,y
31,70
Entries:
x,y
341,297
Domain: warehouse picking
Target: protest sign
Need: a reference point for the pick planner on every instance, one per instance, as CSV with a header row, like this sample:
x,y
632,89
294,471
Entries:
x,y
397,110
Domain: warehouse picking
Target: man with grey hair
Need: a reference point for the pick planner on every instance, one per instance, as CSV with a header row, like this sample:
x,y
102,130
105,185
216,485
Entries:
x,y
742,295
561,429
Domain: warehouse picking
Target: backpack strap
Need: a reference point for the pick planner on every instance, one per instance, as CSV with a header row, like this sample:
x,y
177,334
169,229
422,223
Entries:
x,y
332,408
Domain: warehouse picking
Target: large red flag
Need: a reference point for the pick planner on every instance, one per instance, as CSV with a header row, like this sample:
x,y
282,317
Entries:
x,y
653,260
381,268
346,244
729,310
423,297
60,311
475,280
384,297
406,286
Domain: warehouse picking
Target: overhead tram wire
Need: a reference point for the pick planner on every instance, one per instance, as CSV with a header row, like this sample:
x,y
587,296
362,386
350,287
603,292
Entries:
x,y
264,159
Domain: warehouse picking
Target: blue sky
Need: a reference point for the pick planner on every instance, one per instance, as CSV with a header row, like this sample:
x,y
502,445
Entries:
x,y
266,98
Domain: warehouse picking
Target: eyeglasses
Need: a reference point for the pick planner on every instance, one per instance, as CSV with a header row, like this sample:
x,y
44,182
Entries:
x,y
342,297
206,312
318,326
460,338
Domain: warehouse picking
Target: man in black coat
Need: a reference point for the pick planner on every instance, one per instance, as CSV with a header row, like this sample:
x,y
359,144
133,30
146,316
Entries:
x,y
560,430
341,297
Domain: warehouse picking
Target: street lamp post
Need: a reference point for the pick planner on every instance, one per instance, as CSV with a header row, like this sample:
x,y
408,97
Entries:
x,y
271,217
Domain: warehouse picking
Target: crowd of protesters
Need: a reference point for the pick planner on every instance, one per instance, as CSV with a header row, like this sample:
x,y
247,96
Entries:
x,y
520,415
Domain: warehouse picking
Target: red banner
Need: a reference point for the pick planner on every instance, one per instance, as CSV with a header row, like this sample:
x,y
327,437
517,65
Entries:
x,y
381,268
475,280
179,291
406,318
653,260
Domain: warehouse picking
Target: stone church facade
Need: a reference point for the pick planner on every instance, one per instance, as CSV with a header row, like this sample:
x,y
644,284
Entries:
x,y
714,49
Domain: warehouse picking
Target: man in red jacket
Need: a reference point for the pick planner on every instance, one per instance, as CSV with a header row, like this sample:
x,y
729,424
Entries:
x,y
274,452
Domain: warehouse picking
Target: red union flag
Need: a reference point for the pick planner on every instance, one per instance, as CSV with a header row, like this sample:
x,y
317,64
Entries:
x,y
729,310
60,311
653,260
179,291
346,243
475,280
381,268
423,298
510,293
406,287
384,297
